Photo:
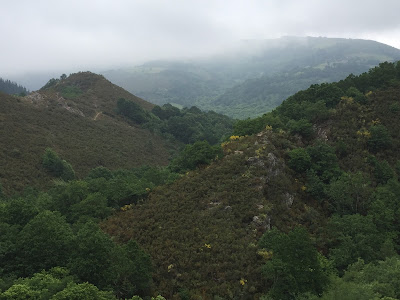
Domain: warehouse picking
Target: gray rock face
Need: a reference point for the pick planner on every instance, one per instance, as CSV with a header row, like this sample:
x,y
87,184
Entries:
x,y
262,221
288,198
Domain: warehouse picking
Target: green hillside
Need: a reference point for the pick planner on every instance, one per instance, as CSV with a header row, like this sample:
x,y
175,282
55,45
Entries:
x,y
326,162
81,126
300,203
255,77
90,122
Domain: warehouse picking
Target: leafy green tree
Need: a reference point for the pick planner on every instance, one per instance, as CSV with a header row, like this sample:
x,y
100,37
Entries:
x,y
57,283
382,170
166,111
52,162
300,160
374,281
315,111
81,291
94,206
315,186
92,256
295,267
349,194
324,161
134,271
132,110
57,166
330,94
43,243
385,207
65,196
8,248
248,126
380,138
20,292
302,127
45,283
346,290
181,128
194,155
382,276
18,211
356,95
100,172
353,236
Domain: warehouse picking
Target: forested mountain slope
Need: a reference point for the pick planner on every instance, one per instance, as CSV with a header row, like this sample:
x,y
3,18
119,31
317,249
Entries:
x,y
9,87
76,117
90,122
300,203
256,76
312,189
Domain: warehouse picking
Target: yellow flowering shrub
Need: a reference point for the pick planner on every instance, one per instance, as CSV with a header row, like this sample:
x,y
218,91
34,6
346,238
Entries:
x,y
265,254
127,207
375,122
170,267
363,133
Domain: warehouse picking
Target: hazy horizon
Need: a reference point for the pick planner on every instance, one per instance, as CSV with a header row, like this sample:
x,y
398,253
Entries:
x,y
70,36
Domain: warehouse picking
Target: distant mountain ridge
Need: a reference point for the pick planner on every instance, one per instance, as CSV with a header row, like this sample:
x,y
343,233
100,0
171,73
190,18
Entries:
x,y
255,77
9,87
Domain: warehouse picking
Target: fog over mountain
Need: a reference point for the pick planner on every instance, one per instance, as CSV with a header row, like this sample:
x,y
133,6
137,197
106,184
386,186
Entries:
x,y
93,35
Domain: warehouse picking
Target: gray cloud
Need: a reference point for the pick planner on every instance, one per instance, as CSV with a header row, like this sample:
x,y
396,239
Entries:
x,y
85,34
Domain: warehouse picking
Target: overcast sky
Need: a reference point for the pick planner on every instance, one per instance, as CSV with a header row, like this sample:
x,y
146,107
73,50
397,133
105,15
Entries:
x,y
75,35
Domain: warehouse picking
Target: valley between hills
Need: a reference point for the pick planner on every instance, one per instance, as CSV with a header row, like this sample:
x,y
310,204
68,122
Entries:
x,y
105,195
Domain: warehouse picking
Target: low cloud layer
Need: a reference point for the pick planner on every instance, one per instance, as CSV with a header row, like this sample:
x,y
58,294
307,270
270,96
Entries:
x,y
77,35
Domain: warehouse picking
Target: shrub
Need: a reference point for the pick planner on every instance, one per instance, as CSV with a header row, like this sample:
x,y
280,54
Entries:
x,y
380,138
57,166
300,160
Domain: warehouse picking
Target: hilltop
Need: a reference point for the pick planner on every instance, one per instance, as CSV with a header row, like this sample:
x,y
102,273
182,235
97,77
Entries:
x,y
75,116
255,77
89,94
90,122
325,160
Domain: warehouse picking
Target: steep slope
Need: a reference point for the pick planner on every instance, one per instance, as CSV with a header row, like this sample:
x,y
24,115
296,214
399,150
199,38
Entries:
x,y
202,231
255,77
89,93
325,159
76,117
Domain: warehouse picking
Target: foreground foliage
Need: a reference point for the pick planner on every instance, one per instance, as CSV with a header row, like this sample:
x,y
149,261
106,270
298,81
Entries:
x,y
57,229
